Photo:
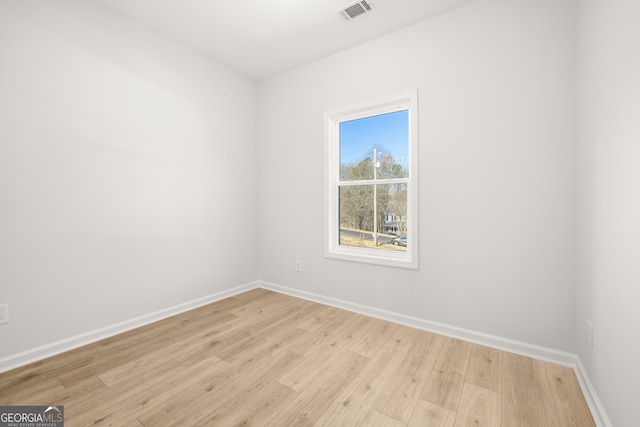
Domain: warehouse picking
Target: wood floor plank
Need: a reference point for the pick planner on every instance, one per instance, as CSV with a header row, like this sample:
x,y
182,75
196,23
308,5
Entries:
x,y
522,401
357,399
262,358
284,336
312,367
256,408
404,389
133,423
81,397
27,376
368,340
427,414
337,321
159,398
134,344
232,349
321,319
378,419
347,335
281,322
105,360
400,396
424,354
138,371
401,338
478,407
311,343
37,392
563,399
245,395
485,368
211,391
214,342
116,406
446,380
314,400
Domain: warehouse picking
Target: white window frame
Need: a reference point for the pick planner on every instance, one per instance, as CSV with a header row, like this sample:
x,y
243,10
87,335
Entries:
x,y
403,101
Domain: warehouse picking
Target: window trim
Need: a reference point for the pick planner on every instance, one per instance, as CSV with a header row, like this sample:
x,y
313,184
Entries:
x,y
403,101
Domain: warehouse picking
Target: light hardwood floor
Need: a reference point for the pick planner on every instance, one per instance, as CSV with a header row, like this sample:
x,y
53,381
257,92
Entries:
x,y
266,359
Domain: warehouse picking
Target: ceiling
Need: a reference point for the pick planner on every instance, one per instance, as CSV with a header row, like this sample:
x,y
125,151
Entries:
x,y
262,38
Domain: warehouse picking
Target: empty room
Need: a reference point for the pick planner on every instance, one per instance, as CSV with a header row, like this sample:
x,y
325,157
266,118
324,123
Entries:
x,y
319,212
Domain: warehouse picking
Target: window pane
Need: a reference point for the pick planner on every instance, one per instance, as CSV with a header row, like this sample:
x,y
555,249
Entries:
x,y
371,147
384,227
375,147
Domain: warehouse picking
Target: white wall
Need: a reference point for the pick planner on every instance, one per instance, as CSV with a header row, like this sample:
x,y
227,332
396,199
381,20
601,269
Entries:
x,y
609,202
495,81
127,172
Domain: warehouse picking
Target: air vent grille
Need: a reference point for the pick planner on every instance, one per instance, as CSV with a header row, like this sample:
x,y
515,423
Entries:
x,y
355,10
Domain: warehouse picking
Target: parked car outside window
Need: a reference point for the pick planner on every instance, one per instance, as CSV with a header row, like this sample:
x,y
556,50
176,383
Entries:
x,y
399,241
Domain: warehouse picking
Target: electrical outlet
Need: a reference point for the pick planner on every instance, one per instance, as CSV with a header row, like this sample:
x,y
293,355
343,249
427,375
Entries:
x,y
298,266
590,333
4,313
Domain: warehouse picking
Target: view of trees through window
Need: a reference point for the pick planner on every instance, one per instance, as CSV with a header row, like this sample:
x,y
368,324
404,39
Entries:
x,y
374,155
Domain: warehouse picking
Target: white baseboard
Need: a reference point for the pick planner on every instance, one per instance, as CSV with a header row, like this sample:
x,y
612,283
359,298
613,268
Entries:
x,y
20,359
597,410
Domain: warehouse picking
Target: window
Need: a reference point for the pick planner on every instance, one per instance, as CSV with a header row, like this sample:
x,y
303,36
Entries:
x,y
372,182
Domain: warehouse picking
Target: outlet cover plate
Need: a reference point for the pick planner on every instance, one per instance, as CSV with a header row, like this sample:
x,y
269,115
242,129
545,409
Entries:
x,y
4,313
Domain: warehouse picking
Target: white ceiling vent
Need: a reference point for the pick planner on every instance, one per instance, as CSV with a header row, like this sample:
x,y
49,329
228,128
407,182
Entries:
x,y
354,10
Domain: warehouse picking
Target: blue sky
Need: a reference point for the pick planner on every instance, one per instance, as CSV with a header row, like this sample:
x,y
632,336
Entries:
x,y
387,131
